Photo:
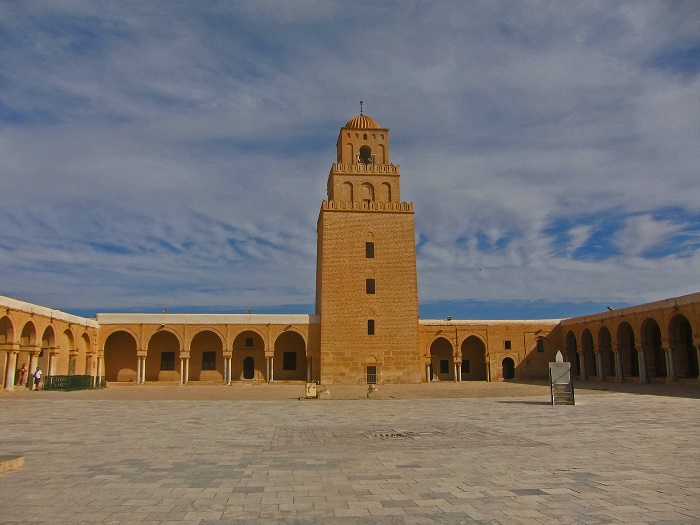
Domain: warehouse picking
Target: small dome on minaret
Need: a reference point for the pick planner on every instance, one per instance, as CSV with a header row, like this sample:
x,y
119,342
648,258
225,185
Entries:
x,y
362,122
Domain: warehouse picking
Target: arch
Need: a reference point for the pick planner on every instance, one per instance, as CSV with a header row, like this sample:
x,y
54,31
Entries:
x,y
367,193
248,344
83,348
206,357
605,351
365,156
65,362
7,330
589,357
508,366
163,357
473,359
441,360
346,192
350,152
382,154
685,356
385,192
120,359
572,352
28,334
290,357
653,348
628,350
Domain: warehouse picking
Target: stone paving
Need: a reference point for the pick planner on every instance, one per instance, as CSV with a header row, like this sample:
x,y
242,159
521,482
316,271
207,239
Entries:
x,y
128,456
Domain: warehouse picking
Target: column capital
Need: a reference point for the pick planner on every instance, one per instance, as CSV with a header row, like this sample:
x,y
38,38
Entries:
x,y
53,350
141,353
12,348
184,355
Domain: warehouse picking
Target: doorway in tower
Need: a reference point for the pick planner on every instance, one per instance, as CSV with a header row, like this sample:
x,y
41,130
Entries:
x,y
508,368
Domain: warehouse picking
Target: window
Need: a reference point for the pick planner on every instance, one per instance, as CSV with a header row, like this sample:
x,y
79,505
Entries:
x,y
540,345
208,360
466,369
249,341
369,286
371,375
370,326
167,360
369,250
289,361
506,345
444,366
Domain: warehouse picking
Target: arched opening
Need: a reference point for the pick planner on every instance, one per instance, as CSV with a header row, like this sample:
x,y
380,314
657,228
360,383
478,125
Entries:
x,y
347,192
651,343
572,352
473,359
163,357
628,350
48,342
589,357
248,347
681,340
367,194
290,357
120,359
508,368
65,361
7,331
365,156
206,357
385,192
82,367
605,351
249,368
28,336
441,360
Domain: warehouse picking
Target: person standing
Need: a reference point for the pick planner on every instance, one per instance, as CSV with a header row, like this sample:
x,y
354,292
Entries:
x,y
22,373
37,378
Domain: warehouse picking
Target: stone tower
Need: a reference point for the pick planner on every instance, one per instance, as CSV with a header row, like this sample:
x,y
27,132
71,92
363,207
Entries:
x,y
366,284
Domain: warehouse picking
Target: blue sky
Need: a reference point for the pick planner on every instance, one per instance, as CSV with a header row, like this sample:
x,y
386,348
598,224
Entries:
x,y
175,154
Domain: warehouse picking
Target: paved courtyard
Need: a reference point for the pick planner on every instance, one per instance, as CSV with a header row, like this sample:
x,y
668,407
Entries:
x,y
145,455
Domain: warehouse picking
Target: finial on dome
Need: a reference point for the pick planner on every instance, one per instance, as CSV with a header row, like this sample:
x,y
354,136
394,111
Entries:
x,y
360,108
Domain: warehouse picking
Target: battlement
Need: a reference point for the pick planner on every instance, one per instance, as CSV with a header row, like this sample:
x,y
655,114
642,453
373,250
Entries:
x,y
386,169
405,207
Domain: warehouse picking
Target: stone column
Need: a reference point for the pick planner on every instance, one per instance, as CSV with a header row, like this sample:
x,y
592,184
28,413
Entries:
x,y
601,365
672,363
643,374
182,370
138,370
98,372
618,366
33,362
142,377
267,369
427,373
697,349
582,360
187,369
455,372
229,369
11,369
53,354
459,371
308,369
272,368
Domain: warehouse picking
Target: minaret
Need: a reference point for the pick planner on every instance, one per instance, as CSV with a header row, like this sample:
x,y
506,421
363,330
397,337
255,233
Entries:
x,y
366,285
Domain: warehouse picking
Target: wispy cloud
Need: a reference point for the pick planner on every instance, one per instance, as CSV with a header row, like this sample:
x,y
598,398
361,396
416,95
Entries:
x,y
176,154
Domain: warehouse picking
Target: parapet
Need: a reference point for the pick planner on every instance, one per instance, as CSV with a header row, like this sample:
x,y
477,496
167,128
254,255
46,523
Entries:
x,y
404,207
387,169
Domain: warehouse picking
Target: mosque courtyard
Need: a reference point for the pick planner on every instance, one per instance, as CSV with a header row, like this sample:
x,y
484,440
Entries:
x,y
487,453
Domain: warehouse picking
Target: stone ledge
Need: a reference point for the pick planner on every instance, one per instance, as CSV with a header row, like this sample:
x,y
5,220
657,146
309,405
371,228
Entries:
x,y
8,463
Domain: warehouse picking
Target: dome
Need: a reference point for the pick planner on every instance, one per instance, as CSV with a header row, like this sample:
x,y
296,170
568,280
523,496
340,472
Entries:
x,y
362,122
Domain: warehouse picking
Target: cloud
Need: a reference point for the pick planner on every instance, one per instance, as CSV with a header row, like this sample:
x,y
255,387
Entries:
x,y
157,154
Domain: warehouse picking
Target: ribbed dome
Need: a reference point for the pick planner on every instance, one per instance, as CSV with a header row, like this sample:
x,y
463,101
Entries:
x,y
362,122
